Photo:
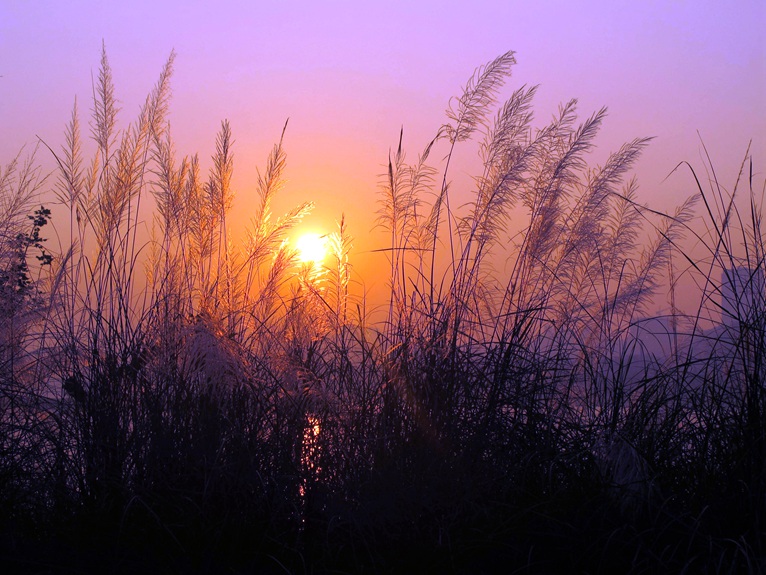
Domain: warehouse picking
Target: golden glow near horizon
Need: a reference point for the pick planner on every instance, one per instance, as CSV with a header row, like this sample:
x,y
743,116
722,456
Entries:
x,y
312,247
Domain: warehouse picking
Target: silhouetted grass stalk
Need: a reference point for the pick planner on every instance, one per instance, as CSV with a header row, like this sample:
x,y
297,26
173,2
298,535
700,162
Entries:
x,y
217,404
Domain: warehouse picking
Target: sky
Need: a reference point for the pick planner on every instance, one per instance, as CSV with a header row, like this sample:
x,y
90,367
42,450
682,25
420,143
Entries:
x,y
350,75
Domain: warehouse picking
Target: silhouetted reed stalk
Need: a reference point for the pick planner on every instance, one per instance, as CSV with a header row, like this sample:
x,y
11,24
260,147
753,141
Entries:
x,y
219,404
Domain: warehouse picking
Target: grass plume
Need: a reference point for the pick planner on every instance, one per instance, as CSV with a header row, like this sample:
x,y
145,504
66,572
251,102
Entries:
x,y
190,402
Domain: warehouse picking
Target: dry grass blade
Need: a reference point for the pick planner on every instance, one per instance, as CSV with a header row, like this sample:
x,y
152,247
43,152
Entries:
x,y
514,405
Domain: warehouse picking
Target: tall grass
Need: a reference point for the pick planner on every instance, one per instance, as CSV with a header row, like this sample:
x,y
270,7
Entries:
x,y
186,401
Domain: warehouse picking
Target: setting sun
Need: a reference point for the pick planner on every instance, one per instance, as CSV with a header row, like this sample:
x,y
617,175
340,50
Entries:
x,y
311,247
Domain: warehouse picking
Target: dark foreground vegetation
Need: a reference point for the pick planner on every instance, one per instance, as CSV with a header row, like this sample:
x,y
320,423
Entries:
x,y
186,403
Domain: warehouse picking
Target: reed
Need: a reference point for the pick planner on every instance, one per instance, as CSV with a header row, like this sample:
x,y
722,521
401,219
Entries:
x,y
185,401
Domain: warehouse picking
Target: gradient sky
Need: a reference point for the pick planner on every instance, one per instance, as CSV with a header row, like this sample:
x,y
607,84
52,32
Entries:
x,y
349,75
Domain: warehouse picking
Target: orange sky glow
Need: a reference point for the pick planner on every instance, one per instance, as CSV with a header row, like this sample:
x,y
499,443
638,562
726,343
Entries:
x,y
350,75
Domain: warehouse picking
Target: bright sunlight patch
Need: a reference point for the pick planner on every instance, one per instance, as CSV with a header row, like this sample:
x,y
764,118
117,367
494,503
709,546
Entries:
x,y
312,248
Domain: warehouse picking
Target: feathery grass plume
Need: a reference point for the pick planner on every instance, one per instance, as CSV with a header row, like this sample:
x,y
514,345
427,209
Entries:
x,y
402,189
261,329
228,405
644,279
150,130
593,205
70,186
267,260
104,110
75,190
506,152
154,112
270,184
201,230
218,196
339,274
555,157
623,225
169,272
479,95
553,185
168,189
395,204
581,264
100,331
115,212
265,237
468,112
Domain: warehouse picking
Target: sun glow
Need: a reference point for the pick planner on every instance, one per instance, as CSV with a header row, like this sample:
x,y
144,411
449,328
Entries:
x,y
312,248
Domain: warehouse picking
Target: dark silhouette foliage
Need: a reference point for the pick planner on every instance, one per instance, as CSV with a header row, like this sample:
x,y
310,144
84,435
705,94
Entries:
x,y
194,404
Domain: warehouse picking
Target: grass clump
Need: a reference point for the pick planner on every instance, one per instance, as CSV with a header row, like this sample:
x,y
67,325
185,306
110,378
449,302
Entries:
x,y
188,403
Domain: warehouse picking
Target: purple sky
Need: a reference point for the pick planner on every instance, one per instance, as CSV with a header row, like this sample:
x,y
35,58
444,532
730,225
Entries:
x,y
350,74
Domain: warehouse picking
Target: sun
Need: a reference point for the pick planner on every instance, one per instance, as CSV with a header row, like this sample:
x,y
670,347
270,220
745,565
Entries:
x,y
311,247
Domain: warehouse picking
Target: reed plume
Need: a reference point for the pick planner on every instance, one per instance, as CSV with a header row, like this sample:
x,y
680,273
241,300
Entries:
x,y
214,405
